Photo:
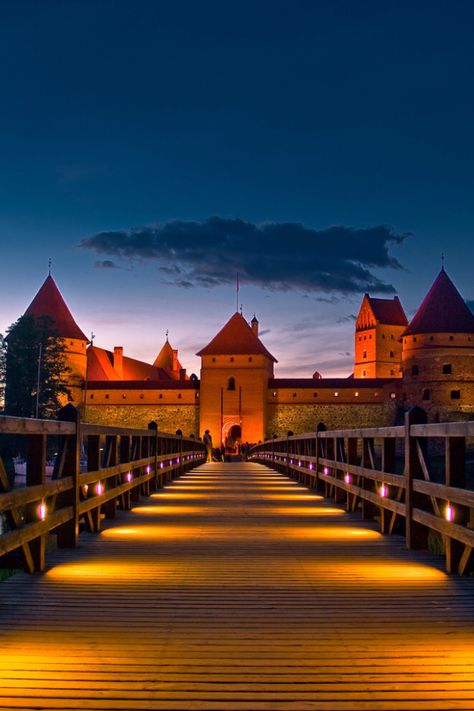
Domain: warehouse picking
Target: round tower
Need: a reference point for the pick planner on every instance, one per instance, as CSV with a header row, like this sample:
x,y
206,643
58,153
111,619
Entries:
x,y
49,302
437,354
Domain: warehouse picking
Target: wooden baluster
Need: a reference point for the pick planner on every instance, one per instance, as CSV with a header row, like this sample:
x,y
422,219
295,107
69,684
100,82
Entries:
x,y
111,459
69,531
457,554
388,465
416,534
124,458
369,510
94,464
36,474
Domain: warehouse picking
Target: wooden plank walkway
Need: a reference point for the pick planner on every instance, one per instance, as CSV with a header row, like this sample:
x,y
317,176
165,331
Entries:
x,y
237,589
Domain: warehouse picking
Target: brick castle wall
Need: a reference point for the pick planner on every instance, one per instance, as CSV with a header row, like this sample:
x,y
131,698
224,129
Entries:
x,y
169,417
305,418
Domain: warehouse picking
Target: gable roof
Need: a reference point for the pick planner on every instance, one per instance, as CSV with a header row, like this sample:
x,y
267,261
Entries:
x,y
49,302
236,338
100,367
388,311
443,310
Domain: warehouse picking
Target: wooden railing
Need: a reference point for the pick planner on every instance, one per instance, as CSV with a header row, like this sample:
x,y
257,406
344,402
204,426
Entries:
x,y
387,474
97,470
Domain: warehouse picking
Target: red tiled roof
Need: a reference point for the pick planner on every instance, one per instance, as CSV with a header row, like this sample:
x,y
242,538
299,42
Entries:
x,y
236,338
388,311
443,310
100,368
49,302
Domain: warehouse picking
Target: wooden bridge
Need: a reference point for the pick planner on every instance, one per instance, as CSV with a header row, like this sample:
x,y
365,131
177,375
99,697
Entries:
x,y
235,586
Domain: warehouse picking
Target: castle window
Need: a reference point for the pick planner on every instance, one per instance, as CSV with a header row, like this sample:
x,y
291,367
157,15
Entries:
x,y
250,359
274,393
364,373
71,343
91,396
315,394
106,396
426,394
376,394
391,337
447,369
451,338
365,338
392,355
124,397
392,372
179,396
370,337
393,396
364,354
414,340
232,359
197,396
455,394
213,360
160,396
356,394
383,336
415,370
294,394
141,396
231,384
336,394
431,338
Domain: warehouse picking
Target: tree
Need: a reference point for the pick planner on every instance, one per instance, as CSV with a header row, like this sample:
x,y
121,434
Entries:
x,y
35,355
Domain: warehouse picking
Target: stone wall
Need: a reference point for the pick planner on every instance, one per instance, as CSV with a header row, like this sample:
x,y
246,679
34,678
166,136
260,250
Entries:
x,y
169,417
305,418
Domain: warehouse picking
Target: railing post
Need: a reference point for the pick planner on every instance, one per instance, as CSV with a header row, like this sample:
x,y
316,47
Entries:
x,y
69,532
369,510
35,474
94,464
415,533
124,457
154,428
455,467
388,465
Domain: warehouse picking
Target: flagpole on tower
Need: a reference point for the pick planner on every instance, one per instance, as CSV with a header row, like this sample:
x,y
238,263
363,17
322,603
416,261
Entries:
x,y
237,293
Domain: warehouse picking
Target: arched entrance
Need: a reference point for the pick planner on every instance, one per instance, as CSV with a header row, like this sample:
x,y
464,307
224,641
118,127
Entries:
x,y
232,437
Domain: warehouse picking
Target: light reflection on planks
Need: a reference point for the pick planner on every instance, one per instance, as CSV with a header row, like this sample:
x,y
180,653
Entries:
x,y
228,592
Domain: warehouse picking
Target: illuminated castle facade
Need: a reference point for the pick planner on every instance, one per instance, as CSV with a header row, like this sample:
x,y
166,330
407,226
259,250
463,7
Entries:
x,y
428,362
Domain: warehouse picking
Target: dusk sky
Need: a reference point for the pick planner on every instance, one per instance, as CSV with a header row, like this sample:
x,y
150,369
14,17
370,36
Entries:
x,y
155,149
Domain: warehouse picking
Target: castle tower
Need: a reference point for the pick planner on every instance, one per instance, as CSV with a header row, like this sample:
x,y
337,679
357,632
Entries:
x,y
235,371
49,302
438,354
378,350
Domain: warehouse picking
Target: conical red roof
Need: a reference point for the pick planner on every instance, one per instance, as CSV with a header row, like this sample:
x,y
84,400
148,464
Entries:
x,y
165,357
49,302
443,310
236,338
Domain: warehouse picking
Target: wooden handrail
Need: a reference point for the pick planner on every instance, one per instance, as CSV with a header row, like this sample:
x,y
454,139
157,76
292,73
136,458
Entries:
x,y
97,470
385,472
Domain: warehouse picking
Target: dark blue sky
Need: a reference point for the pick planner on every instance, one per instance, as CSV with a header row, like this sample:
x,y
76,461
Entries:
x,y
117,115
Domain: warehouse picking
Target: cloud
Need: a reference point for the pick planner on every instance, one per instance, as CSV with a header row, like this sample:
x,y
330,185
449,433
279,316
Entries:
x,y
105,264
279,256
350,318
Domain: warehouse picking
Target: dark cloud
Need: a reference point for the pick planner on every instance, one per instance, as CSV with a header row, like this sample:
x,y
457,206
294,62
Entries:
x,y
280,256
106,264
350,318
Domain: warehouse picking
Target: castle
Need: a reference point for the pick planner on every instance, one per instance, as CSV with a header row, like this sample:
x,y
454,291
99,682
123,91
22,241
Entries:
x,y
426,362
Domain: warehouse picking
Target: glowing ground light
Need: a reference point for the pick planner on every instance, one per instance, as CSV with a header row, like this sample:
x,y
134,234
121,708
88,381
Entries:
x,y
42,511
383,491
449,512
347,478
99,489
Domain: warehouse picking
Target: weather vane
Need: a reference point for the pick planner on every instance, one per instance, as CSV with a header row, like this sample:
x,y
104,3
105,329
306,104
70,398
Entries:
x,y
50,261
166,334
92,338
442,260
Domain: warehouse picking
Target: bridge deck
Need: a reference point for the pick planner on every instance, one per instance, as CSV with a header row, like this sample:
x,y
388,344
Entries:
x,y
235,588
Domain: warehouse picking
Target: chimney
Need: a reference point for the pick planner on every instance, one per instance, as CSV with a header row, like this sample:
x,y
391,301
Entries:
x,y
175,360
254,325
118,361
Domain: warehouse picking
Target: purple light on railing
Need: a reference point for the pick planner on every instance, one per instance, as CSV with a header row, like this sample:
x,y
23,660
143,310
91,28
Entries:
x,y
148,469
99,489
128,475
383,490
326,471
347,478
162,464
311,466
299,462
177,461
42,511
